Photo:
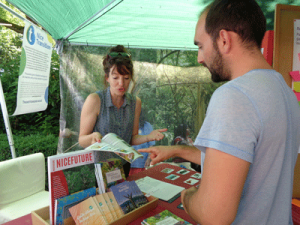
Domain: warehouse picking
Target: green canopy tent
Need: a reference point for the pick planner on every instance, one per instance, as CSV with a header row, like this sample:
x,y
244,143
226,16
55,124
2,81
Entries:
x,y
166,24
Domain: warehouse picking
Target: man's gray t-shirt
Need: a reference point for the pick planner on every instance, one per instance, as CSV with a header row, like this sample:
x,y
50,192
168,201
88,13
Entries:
x,y
256,117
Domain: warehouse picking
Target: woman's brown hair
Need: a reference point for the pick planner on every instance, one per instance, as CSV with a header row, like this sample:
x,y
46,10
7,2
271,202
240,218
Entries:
x,y
120,58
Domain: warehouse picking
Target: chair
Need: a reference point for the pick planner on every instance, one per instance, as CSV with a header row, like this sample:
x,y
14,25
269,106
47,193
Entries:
x,y
22,186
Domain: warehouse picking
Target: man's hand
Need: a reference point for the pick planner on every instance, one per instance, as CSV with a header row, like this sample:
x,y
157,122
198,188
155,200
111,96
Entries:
x,y
159,153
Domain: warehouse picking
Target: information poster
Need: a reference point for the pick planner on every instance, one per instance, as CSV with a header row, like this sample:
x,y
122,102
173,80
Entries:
x,y
295,74
34,70
296,62
296,51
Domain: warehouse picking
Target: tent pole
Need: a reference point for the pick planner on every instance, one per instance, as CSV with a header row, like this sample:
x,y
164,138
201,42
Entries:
x,y
98,14
6,121
13,12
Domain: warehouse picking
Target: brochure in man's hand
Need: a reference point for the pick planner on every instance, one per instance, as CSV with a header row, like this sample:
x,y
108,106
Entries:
x,y
112,143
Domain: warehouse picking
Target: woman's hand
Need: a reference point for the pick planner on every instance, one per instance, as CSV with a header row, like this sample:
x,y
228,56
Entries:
x,y
156,135
96,137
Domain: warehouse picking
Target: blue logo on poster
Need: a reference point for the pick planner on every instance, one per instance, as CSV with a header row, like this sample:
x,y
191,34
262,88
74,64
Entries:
x,y
46,94
30,35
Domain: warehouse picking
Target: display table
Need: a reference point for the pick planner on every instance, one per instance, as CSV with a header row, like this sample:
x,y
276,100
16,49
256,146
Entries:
x,y
155,172
24,220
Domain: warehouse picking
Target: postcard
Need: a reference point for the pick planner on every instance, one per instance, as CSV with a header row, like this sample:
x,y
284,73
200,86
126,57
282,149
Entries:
x,y
172,177
191,181
183,172
167,170
197,175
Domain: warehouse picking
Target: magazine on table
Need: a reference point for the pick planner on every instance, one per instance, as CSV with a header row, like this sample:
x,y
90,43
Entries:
x,y
165,218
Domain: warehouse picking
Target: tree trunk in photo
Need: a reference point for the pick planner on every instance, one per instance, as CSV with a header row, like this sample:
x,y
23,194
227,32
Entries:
x,y
200,107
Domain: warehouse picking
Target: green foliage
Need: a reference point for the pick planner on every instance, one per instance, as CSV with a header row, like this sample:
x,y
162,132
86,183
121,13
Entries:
x,y
4,14
181,97
25,145
46,122
80,178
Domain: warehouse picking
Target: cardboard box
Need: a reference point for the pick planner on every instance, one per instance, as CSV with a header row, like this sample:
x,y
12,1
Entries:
x,y
41,216
133,215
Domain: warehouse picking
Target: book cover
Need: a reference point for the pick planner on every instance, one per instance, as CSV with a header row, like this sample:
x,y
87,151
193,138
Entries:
x,y
106,211
141,200
117,208
165,218
112,173
127,197
87,213
110,206
69,173
99,208
63,204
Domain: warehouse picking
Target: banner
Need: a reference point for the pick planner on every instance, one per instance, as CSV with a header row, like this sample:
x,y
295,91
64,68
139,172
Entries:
x,y
34,71
296,52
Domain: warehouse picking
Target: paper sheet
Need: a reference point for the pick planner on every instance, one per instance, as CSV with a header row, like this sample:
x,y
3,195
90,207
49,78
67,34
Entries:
x,y
158,189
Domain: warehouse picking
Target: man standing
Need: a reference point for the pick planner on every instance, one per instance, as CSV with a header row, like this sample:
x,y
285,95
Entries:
x,y
249,140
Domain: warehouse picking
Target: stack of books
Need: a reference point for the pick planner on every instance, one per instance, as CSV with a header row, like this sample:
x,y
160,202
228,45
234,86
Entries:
x,y
62,205
98,209
108,207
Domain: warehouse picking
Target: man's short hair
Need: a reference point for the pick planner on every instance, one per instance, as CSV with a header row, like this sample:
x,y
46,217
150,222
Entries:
x,y
243,17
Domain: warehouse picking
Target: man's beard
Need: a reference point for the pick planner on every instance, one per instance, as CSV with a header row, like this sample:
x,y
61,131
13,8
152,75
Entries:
x,y
218,71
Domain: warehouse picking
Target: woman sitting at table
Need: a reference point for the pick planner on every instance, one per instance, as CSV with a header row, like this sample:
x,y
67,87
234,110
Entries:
x,y
114,110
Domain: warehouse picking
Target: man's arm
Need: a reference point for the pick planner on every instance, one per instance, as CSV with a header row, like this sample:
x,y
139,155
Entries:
x,y
218,197
161,153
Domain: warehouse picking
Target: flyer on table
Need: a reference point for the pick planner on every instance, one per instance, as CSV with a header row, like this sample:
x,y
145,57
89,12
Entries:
x,y
34,70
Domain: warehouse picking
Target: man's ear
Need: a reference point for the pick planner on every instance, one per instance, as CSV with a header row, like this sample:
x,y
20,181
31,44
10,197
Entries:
x,y
224,41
